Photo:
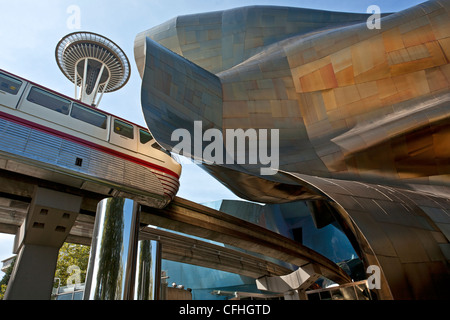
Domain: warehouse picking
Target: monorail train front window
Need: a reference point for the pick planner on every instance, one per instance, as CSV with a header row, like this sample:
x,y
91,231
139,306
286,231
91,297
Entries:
x,y
9,84
124,129
49,100
145,136
158,147
88,115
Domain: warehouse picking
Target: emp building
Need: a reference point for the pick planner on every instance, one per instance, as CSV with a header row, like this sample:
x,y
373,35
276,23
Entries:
x,y
363,116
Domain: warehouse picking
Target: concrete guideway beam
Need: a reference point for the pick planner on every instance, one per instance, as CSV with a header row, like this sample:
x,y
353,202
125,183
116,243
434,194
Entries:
x,y
15,204
197,220
183,216
184,249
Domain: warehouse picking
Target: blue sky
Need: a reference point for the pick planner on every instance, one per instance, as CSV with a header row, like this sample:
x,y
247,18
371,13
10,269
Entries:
x,y
30,30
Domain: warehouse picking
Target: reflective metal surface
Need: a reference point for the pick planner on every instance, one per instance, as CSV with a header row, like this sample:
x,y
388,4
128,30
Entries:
x,y
363,118
349,102
403,232
148,271
112,262
352,291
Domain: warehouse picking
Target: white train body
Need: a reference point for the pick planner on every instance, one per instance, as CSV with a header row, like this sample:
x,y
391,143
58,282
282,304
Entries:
x,y
49,136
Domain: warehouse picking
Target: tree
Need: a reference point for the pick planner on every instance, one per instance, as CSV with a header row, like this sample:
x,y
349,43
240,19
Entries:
x,y
72,264
5,279
70,269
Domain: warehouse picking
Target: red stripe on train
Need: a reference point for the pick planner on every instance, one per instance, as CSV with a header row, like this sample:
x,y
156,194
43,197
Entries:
x,y
89,144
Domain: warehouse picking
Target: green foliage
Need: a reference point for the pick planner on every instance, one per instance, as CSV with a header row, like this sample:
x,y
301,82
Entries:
x,y
71,255
5,279
2,291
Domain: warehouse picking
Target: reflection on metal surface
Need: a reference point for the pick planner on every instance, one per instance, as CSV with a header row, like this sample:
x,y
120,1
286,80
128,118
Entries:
x,y
401,231
349,102
352,291
148,271
291,285
363,116
191,218
112,262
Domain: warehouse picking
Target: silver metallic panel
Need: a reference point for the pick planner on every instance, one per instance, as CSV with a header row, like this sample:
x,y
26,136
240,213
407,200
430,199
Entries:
x,y
363,116
112,262
397,235
148,271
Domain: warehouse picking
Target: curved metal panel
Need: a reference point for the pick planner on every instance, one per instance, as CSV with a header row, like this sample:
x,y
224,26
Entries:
x,y
363,117
401,231
349,102
171,80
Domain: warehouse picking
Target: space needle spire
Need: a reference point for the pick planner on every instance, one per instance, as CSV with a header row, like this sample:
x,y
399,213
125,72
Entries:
x,y
93,63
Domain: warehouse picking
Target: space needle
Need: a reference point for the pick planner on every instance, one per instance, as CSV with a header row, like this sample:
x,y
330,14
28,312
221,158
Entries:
x,y
94,64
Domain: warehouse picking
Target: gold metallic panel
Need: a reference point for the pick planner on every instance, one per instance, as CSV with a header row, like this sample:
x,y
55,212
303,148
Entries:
x,y
340,82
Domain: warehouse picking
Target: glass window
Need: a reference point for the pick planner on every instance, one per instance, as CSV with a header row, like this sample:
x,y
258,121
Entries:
x,y
158,147
49,100
124,129
9,84
88,115
145,136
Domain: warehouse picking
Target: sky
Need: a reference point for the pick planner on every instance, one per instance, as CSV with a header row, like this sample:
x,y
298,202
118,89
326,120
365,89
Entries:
x,y
30,31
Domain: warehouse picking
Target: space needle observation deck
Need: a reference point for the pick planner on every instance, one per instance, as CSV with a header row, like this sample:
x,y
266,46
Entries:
x,y
93,63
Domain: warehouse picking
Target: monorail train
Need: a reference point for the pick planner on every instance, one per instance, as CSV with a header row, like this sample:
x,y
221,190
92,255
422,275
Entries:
x,y
49,136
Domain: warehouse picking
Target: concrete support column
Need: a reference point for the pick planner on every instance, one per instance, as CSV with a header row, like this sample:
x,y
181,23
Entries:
x,y
148,271
48,222
32,279
112,261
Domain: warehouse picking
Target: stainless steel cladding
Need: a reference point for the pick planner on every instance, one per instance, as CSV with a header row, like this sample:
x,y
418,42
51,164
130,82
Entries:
x,y
111,270
148,271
